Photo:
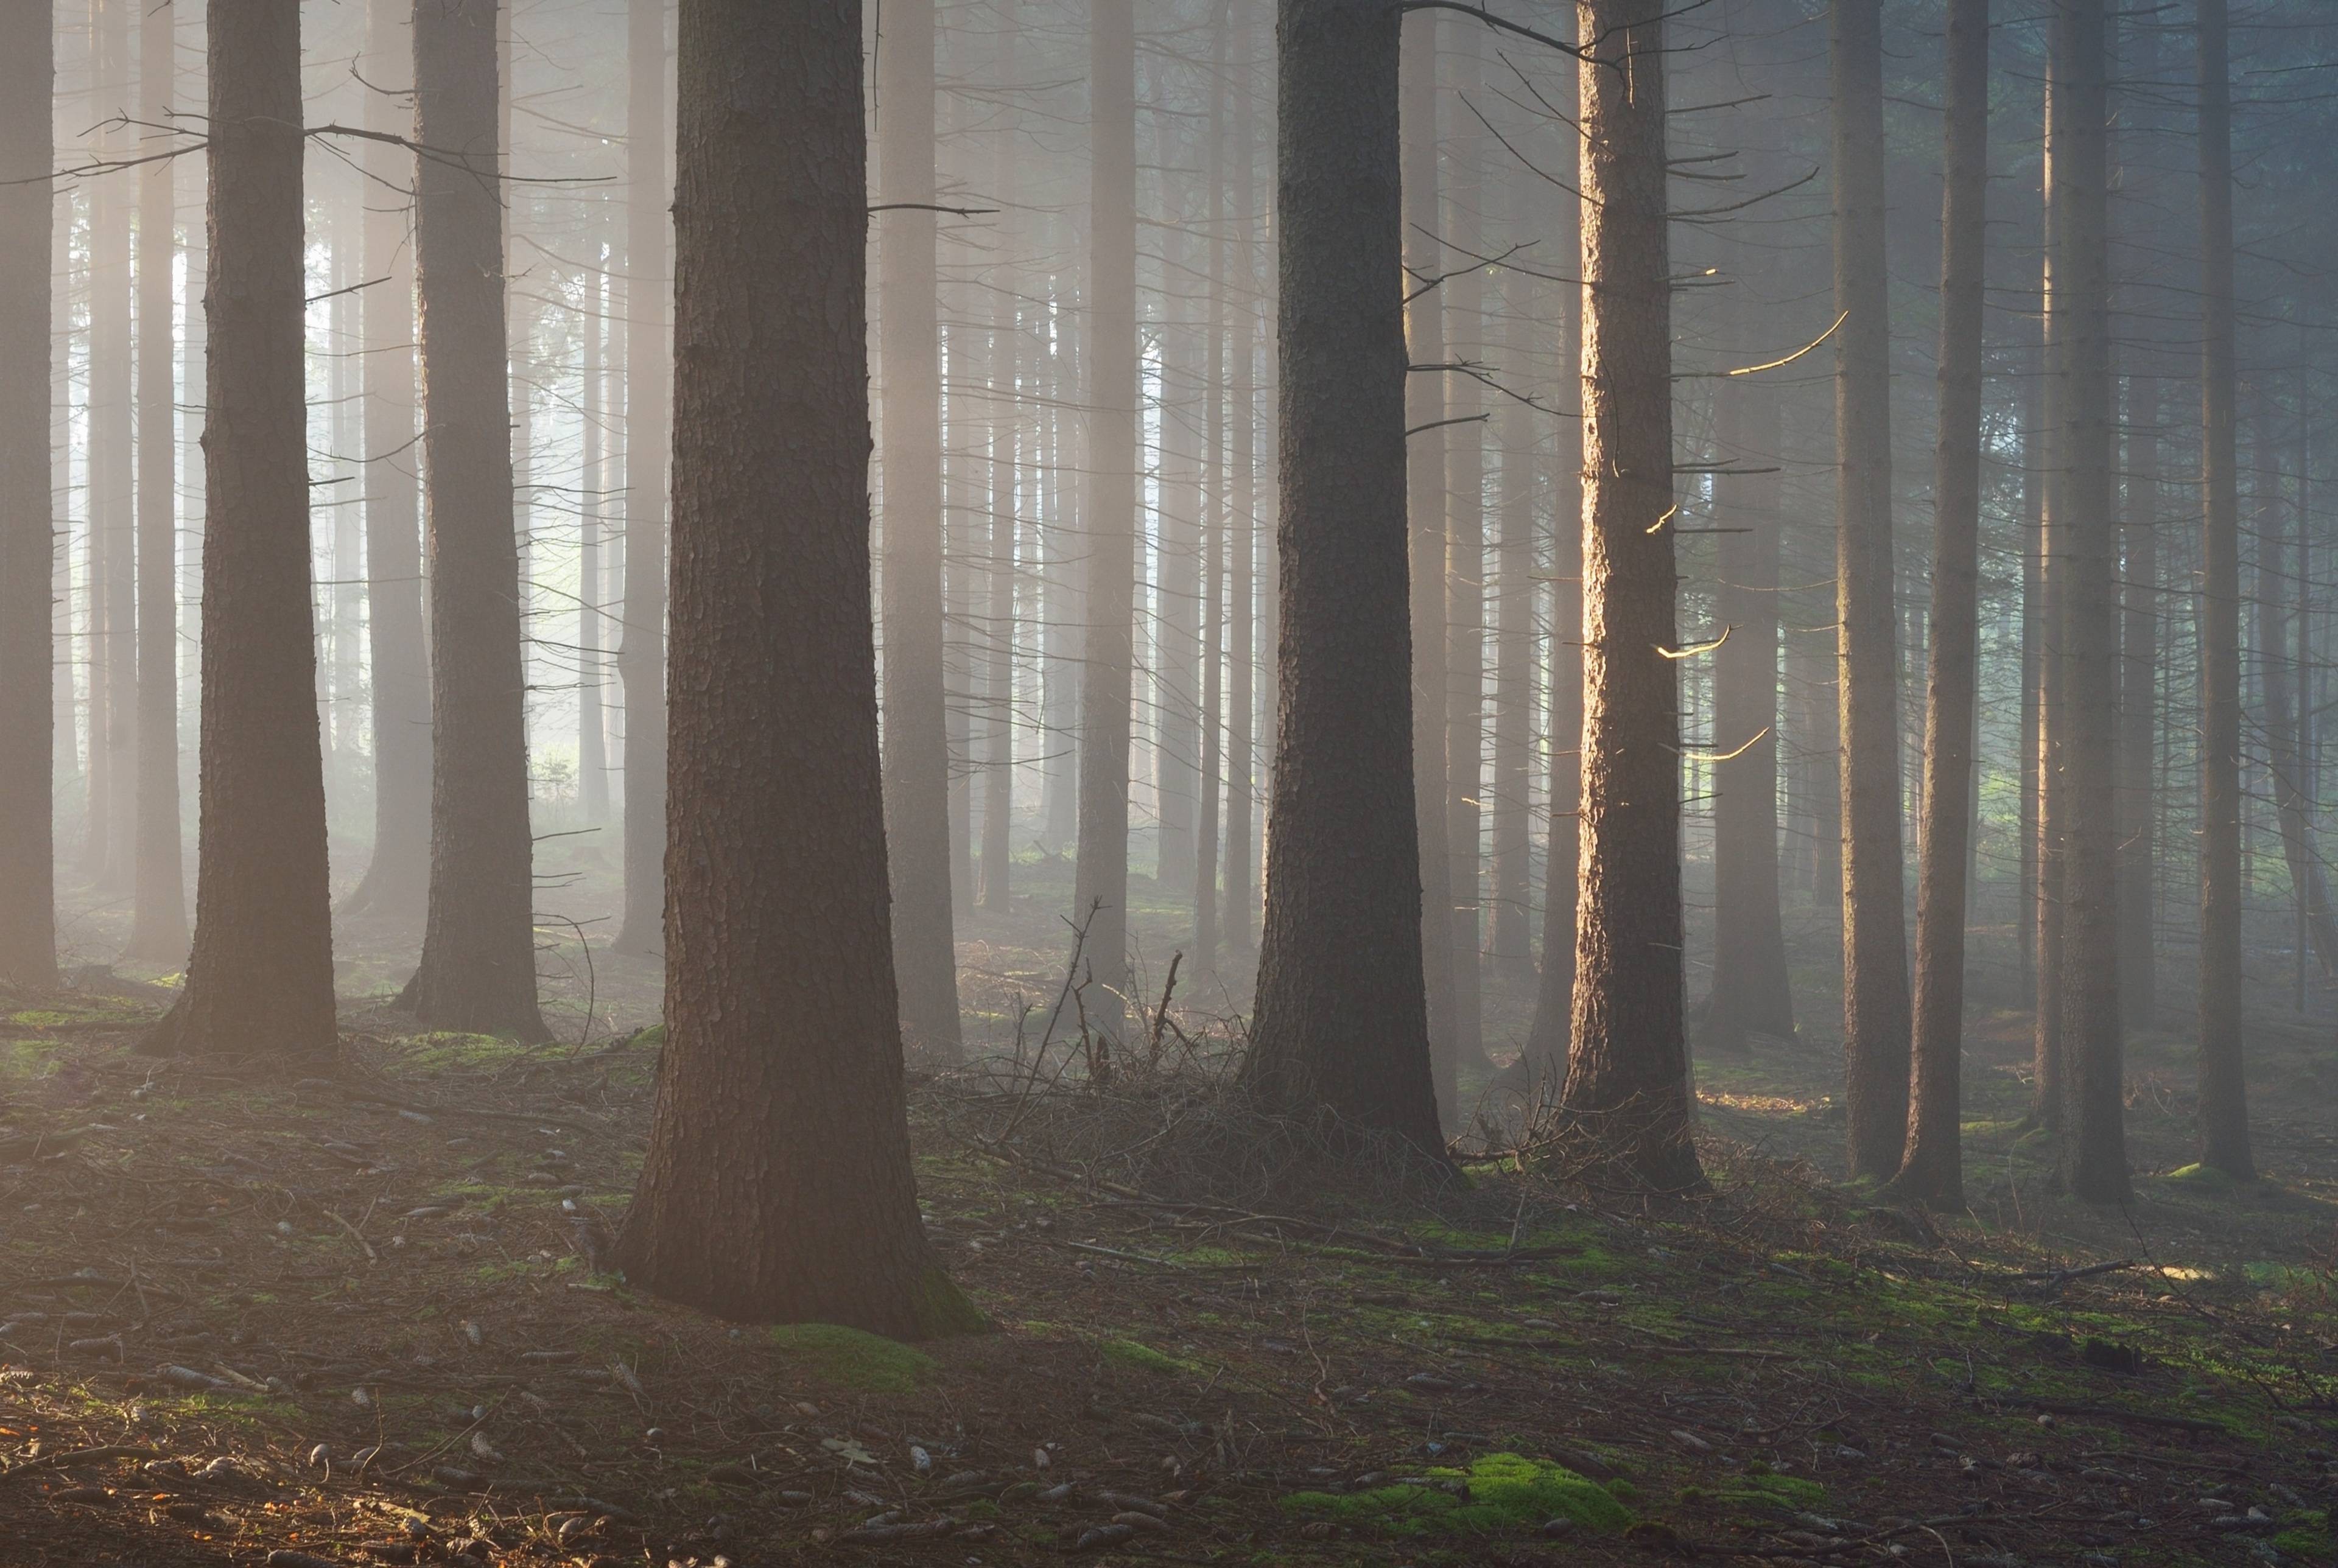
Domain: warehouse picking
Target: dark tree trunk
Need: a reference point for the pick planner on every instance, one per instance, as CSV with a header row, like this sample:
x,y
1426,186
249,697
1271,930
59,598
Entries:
x,y
1751,993
396,884
2093,1146
158,931
2224,1102
1875,1003
917,735
1628,1066
776,1185
260,980
640,644
1341,1023
1424,412
477,971
1100,884
28,933
1931,1170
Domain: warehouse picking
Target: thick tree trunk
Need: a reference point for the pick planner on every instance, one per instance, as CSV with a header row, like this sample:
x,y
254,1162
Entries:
x,y
2224,1102
917,735
1751,993
158,931
1526,305
1931,1170
2094,1147
1875,1002
2033,621
1100,896
1628,1066
28,940
477,971
1341,1023
649,361
260,980
777,1184
396,884
1465,561
1177,623
1424,413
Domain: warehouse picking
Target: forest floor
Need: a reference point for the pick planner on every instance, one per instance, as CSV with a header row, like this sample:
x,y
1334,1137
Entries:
x,y
356,1317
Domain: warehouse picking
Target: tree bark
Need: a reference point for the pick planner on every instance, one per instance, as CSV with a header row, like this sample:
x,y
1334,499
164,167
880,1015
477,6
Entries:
x,y
917,741
649,365
28,939
1525,305
260,979
1875,1002
158,931
776,1185
1100,883
1628,1066
2224,1097
1342,1022
1465,561
1931,1169
477,971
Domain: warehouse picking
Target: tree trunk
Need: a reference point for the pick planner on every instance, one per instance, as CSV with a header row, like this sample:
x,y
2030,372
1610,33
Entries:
x,y
2224,1100
591,727
158,931
1424,412
2048,1060
477,971
2139,709
1875,1002
1526,305
776,1185
1176,621
1628,1066
1931,1170
1242,587
260,980
111,856
1465,561
1214,527
28,939
1005,418
396,884
1341,1023
1100,896
917,736
640,644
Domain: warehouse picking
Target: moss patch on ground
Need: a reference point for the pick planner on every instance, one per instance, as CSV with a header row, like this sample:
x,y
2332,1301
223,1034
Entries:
x,y
1497,1492
869,1362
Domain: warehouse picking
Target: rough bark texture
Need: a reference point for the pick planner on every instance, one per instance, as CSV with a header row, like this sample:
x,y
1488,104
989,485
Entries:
x,y
397,882
1750,993
1931,1169
916,741
477,971
260,981
641,645
776,1185
1424,410
1100,882
2223,1105
1341,1023
28,940
1875,1002
158,930
1627,1069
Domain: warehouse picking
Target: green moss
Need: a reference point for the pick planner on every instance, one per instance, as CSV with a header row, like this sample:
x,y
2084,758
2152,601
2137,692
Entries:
x,y
1790,1494
2309,1539
943,1309
1504,1492
2205,1177
868,1362
1130,1353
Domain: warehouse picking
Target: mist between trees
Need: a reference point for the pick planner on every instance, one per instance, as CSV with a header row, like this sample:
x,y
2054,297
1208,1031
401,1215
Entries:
x,y
1464,566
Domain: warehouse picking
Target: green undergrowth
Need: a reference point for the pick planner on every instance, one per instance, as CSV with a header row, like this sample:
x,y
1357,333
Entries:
x,y
1497,1494
868,1362
1144,1358
2309,1538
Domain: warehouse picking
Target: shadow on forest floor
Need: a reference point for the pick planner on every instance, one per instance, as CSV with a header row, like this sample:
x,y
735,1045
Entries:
x,y
206,1278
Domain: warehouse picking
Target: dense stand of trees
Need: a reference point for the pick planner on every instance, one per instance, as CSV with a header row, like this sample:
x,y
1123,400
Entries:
x,y
1543,662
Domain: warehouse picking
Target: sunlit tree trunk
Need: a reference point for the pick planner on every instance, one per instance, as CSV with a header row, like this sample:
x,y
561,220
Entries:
x,y
158,931
1100,895
477,971
1875,1003
1627,1067
1341,1023
1525,310
777,1184
2223,1103
917,744
2048,464
1465,558
1931,1169
28,716
260,980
